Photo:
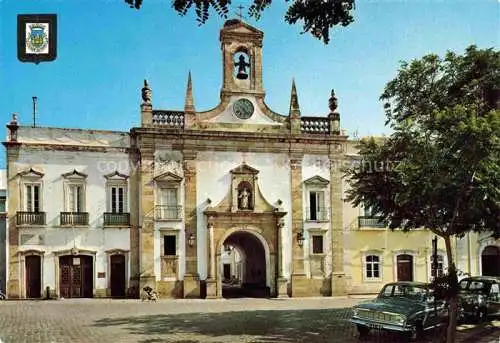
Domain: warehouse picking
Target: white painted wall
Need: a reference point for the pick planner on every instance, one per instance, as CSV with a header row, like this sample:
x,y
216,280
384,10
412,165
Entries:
x,y
53,164
213,181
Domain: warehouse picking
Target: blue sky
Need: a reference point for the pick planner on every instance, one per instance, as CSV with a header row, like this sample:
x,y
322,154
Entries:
x,y
106,49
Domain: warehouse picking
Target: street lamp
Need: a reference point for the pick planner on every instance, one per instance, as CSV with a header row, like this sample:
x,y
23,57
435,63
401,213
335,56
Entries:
x,y
300,238
191,240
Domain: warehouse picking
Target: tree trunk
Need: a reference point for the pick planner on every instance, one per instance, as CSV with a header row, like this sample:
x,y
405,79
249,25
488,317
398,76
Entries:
x,y
453,301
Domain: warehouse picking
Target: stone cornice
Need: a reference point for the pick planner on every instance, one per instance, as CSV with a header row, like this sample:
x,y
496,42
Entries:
x,y
68,147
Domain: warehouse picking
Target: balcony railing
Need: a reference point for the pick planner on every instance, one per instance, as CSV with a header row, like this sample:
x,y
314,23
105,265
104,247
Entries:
x,y
74,218
317,214
371,221
30,218
165,212
116,219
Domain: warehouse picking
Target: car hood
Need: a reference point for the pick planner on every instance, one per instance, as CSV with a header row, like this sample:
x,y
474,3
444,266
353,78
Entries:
x,y
393,305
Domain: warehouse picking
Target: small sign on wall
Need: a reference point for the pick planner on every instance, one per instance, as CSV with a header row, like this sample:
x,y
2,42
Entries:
x,y
76,261
101,275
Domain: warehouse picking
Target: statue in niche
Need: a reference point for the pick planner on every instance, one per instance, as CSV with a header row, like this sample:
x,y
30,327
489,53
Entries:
x,y
242,68
244,198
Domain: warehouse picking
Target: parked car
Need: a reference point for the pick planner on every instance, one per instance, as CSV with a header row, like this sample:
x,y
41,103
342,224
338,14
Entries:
x,y
405,307
480,297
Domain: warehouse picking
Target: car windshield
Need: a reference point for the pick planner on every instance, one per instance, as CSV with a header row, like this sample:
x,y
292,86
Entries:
x,y
472,285
406,291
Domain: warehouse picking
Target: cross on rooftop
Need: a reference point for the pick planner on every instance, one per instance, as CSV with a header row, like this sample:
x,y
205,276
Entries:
x,y
240,12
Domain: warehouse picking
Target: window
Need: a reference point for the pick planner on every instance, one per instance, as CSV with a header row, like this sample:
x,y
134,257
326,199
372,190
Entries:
x,y
32,198
169,245
168,197
117,199
372,263
317,209
75,198
169,206
2,204
317,244
437,269
368,212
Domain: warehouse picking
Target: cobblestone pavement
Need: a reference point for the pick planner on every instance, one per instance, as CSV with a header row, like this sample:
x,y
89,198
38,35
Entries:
x,y
311,320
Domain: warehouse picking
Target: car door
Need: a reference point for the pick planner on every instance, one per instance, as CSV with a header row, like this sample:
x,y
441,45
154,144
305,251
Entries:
x,y
494,299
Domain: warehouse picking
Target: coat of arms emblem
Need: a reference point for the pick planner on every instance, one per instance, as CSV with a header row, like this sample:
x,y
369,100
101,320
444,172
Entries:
x,y
37,38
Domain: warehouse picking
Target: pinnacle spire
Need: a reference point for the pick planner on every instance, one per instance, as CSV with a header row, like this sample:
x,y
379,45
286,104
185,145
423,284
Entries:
x,y
189,103
294,101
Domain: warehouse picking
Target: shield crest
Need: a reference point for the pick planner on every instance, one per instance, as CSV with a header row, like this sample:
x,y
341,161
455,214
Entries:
x,y
37,38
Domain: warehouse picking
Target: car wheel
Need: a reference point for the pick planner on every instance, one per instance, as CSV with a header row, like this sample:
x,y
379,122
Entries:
x,y
363,331
481,315
416,333
2,297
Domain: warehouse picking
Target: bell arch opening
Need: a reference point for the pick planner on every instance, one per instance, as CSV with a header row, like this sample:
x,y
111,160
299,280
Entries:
x,y
244,266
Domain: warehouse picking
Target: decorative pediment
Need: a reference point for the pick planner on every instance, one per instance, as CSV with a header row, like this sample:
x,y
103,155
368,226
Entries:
x,y
168,177
237,26
116,176
31,173
316,181
244,169
74,175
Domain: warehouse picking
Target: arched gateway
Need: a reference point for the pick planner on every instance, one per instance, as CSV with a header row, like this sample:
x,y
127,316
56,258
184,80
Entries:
x,y
244,241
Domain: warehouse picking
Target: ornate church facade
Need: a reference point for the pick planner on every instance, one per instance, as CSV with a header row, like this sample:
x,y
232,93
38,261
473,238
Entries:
x,y
237,200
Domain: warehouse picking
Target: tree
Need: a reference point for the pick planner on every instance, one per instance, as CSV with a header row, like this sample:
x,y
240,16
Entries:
x,y
319,16
440,168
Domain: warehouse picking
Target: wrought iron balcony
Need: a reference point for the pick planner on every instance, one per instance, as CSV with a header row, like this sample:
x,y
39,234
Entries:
x,y
165,212
30,218
371,221
317,214
116,219
74,218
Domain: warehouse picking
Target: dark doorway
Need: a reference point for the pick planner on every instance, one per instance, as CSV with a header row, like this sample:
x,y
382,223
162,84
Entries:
x,y
76,276
490,261
249,277
227,271
117,277
33,266
405,267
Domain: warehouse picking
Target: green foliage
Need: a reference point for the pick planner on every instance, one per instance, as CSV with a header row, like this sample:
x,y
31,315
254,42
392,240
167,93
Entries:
x,y
445,149
318,16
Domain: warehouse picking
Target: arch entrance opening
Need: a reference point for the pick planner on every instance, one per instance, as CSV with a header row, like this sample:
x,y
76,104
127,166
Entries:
x,y
243,268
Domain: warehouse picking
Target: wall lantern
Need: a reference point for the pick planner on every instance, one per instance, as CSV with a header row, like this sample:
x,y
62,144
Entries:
x,y
191,240
300,238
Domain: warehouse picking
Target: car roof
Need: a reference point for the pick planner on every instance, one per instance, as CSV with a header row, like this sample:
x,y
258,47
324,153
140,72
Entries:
x,y
409,283
482,278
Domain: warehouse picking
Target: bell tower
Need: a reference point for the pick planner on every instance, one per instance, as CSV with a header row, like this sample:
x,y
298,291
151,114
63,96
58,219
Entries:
x,y
241,46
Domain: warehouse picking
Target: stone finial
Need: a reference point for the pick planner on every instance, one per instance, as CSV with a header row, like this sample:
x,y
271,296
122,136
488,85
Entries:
x,y
189,102
294,102
146,93
14,119
333,102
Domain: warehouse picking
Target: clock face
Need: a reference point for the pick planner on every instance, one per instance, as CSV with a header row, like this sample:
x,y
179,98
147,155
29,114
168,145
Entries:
x,y
243,108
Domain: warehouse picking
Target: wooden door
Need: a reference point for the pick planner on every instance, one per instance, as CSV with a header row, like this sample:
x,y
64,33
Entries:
x,y
405,267
490,261
33,268
75,276
117,275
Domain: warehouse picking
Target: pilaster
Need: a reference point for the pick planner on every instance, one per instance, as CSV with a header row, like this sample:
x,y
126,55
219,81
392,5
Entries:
x,y
146,231
13,284
337,232
135,188
299,278
191,277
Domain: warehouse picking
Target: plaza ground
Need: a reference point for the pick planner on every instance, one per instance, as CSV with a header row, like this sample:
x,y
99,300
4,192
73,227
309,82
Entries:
x,y
310,320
